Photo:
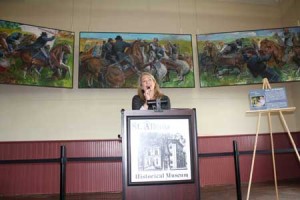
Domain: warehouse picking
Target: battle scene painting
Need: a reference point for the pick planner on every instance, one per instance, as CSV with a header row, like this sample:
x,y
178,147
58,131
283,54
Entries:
x,y
239,58
35,56
115,60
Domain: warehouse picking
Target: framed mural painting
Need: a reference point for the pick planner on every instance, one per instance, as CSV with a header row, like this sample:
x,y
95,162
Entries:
x,y
115,60
246,57
35,56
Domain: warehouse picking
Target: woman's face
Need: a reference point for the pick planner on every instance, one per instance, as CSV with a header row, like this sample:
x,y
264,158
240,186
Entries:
x,y
147,82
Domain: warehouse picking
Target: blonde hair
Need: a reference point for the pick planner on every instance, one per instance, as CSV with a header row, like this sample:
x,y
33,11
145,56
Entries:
x,y
157,92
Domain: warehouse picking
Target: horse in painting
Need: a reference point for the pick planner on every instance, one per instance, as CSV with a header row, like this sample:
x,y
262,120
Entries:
x,y
34,60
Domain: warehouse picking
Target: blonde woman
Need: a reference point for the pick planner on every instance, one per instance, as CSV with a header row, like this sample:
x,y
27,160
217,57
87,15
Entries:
x,y
148,90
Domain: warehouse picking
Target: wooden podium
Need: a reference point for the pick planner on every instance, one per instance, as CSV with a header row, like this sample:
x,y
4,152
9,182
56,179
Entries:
x,y
279,111
160,157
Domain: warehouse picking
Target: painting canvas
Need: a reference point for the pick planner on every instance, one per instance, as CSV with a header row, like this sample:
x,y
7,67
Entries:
x,y
115,60
35,56
239,58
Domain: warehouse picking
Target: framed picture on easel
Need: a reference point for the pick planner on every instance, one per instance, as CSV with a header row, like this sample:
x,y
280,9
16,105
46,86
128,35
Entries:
x,y
270,98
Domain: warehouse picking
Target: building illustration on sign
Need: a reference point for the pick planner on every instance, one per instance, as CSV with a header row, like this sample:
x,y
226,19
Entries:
x,y
163,153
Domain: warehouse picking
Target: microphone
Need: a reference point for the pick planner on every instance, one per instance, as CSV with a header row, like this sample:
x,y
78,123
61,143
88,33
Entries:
x,y
147,89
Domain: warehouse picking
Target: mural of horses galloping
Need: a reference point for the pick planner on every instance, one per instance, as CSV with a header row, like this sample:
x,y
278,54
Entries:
x,y
181,67
271,47
118,72
93,70
98,72
3,43
34,61
36,56
246,57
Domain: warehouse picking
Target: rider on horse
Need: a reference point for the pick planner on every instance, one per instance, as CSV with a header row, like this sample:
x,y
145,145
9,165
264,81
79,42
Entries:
x,y
40,44
12,41
107,51
173,51
232,47
119,48
257,65
156,50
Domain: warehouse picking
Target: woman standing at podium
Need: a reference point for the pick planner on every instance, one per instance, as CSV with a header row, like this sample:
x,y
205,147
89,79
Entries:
x,y
148,91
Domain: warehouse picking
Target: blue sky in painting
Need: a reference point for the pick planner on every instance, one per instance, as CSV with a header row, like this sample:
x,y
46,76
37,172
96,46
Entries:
x,y
134,36
244,34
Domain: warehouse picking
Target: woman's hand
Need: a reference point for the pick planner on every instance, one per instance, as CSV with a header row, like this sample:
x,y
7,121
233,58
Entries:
x,y
147,94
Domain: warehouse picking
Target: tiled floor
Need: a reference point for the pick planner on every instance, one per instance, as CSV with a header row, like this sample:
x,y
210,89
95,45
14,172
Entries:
x,y
288,190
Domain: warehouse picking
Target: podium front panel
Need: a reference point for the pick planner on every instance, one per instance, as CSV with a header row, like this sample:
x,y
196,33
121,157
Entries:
x,y
160,155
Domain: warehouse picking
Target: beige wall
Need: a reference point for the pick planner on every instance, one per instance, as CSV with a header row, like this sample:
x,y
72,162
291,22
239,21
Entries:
x,y
33,113
290,12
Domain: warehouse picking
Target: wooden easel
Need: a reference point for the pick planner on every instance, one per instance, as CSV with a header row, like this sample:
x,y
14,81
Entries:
x,y
266,85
